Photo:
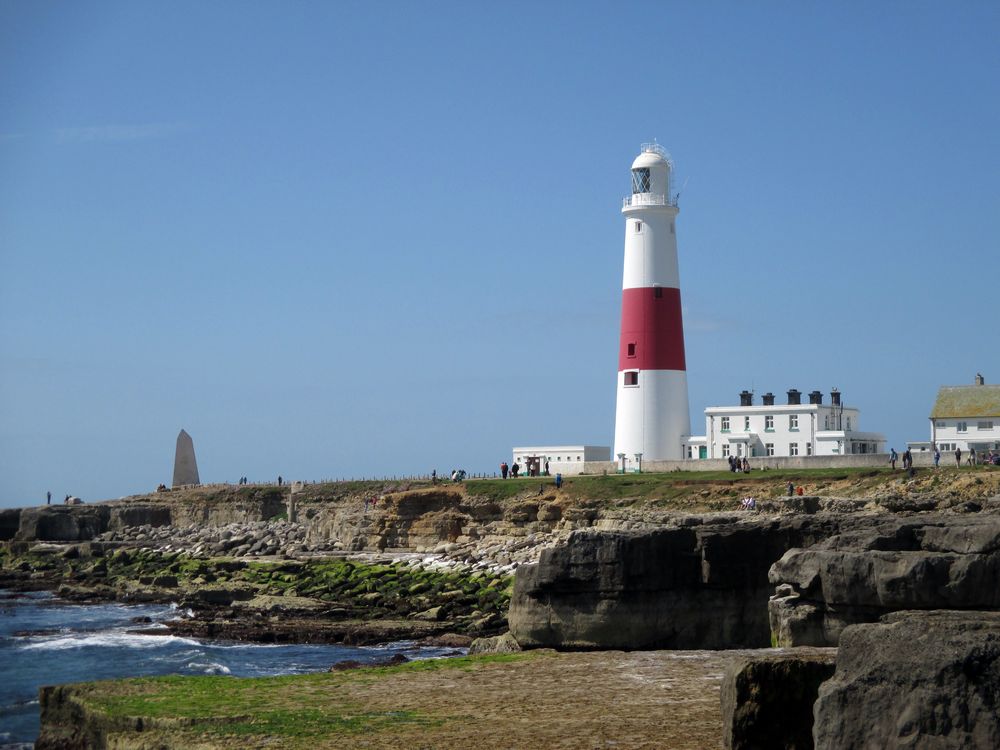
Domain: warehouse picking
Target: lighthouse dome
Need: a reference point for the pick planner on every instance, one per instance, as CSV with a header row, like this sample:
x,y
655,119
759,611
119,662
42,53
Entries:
x,y
651,171
652,155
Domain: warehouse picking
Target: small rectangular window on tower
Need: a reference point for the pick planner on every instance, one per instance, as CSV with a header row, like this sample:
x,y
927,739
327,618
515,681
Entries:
x,y
631,350
632,377
658,292
638,226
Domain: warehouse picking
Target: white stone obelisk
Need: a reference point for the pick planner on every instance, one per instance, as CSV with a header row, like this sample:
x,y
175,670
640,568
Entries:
x,y
652,421
185,465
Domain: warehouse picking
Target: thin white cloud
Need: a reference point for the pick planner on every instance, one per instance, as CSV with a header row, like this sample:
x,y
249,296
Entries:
x,y
120,133
702,323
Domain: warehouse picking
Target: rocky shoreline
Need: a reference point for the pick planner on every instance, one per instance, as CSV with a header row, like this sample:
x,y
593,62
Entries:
x,y
561,571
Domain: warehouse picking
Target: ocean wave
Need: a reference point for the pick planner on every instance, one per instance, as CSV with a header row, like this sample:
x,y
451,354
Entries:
x,y
106,640
210,668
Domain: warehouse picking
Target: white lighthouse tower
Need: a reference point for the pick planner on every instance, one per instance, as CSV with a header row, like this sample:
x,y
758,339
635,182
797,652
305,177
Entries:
x,y
651,420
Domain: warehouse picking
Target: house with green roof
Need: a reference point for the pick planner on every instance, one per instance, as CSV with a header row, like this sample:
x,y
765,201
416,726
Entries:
x,y
967,417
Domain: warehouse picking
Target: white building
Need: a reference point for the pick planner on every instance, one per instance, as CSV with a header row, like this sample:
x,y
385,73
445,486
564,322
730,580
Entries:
x,y
967,417
790,429
562,459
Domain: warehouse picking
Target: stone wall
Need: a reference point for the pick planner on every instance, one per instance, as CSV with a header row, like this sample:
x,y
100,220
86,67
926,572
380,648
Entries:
x,y
872,460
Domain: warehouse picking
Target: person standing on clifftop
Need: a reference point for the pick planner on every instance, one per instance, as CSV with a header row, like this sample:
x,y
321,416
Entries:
x,y
892,458
958,457
504,469
48,498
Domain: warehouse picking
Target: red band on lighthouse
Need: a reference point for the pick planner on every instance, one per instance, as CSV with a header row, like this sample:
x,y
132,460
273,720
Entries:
x,y
652,335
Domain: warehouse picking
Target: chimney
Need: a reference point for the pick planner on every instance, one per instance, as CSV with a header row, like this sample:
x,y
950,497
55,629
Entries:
x,y
768,399
815,397
746,398
979,379
794,397
835,397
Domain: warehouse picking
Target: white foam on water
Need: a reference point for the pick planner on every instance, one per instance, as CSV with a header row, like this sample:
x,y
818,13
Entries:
x,y
210,668
105,640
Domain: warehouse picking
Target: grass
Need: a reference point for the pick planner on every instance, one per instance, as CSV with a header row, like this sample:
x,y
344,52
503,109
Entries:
x,y
669,485
300,707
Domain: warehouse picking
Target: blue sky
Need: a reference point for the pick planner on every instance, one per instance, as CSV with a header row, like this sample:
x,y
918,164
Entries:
x,y
346,239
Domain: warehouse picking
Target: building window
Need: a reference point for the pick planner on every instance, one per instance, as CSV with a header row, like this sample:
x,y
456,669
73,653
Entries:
x,y
640,180
746,424
793,421
769,423
689,452
577,458
939,425
963,427
657,292
672,228
769,449
826,422
984,425
638,226
809,449
632,377
725,424
793,449
631,350
725,450
848,423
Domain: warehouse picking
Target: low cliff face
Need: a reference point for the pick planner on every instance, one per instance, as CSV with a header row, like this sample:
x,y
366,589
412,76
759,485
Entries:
x,y
702,585
63,523
938,562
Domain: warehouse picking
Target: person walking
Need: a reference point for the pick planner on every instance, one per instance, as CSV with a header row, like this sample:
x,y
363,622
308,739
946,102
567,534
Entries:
x,y
504,469
48,498
958,457
972,457
558,480
937,457
892,458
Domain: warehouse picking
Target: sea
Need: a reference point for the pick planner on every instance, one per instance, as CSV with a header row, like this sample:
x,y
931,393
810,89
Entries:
x,y
46,641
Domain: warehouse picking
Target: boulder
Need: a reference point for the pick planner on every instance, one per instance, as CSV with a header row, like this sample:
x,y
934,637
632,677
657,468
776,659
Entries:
x,y
767,698
499,644
915,680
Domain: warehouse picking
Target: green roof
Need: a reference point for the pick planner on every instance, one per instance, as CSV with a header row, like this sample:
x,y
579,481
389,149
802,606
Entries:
x,y
967,401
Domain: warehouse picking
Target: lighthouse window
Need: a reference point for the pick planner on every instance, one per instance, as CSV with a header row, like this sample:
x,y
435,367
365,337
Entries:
x,y
632,378
638,226
631,350
658,292
640,180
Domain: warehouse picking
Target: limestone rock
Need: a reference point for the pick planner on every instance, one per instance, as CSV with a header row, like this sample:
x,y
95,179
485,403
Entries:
x,y
499,644
915,680
897,564
767,699
695,586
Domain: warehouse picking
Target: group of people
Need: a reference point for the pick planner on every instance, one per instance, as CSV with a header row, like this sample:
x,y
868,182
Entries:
x,y
737,464
907,459
748,503
510,471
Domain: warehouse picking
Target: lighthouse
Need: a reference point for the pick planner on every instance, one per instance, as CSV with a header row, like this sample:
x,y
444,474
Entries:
x,y
651,419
